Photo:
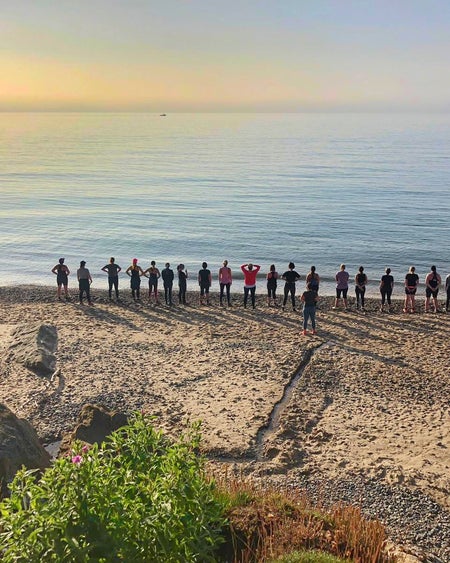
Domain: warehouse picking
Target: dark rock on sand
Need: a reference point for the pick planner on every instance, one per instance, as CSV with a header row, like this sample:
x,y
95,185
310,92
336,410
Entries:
x,y
94,424
34,346
19,445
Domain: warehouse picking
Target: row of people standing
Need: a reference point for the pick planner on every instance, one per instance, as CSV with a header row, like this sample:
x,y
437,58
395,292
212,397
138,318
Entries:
x,y
250,272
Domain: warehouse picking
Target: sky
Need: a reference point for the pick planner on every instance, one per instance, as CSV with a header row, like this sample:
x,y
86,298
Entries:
x,y
227,55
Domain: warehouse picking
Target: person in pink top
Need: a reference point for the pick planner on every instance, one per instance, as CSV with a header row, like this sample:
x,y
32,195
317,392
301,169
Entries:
x,y
225,281
250,272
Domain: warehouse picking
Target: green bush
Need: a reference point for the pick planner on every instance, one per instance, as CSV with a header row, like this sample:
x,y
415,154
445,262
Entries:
x,y
139,498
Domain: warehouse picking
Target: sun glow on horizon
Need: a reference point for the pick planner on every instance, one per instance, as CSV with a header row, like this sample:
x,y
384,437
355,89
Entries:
x,y
185,57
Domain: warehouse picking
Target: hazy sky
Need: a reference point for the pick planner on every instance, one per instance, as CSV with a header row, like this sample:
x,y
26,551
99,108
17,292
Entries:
x,y
259,55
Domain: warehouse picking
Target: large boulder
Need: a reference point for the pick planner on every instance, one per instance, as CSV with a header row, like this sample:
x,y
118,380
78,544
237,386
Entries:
x,y
19,445
34,346
94,424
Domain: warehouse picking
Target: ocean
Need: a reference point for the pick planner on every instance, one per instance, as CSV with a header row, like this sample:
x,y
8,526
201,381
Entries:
x,y
322,189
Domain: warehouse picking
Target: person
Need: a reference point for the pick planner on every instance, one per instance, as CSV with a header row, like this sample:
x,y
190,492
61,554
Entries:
x,y
182,283
341,287
290,277
250,272
135,272
360,288
225,281
84,282
167,276
62,272
112,269
314,279
204,281
153,275
411,283
386,289
272,277
432,283
447,289
309,299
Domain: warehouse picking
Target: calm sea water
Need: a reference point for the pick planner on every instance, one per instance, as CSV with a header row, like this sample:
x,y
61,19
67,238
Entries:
x,y
268,188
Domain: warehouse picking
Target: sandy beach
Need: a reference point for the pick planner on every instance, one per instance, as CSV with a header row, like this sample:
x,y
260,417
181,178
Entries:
x,y
366,400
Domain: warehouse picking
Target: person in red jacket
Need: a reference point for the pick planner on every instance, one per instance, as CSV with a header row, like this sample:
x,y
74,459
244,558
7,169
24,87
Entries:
x,y
250,272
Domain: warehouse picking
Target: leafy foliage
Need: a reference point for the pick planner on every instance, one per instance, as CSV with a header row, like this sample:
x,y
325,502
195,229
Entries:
x,y
139,498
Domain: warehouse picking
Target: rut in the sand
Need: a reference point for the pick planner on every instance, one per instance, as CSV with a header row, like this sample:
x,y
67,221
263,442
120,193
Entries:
x,y
266,431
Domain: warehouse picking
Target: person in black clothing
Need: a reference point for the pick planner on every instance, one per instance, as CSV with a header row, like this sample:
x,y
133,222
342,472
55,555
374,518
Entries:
x,y
135,272
62,272
167,276
204,281
411,284
360,288
112,269
386,289
272,277
291,276
182,283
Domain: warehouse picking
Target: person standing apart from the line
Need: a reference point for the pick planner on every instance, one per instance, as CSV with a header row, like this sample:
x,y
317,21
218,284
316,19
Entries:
x,y
62,272
290,277
250,272
167,276
341,287
432,283
271,278
135,272
411,284
204,281
360,288
447,289
153,275
309,299
225,281
84,282
313,279
112,269
182,283
386,289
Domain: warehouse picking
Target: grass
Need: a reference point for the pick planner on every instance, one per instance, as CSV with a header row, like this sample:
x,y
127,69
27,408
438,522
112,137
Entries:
x,y
265,525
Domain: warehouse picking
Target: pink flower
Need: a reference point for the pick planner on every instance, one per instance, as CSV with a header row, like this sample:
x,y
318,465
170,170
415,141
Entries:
x,y
77,459
85,448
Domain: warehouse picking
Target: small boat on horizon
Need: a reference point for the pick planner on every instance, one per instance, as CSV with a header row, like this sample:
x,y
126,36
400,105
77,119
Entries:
x,y
163,115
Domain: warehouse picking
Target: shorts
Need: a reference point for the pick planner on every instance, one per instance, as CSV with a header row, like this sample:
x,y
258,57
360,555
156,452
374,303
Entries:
x,y
61,280
343,291
431,292
410,290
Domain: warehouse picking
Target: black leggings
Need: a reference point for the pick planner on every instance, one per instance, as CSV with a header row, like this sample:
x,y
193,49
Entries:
x,y
271,291
168,294
225,286
182,294
252,291
360,295
85,288
448,298
386,295
289,287
113,282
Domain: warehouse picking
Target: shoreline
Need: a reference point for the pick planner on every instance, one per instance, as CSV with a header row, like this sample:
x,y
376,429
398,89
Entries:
x,y
326,292
370,408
